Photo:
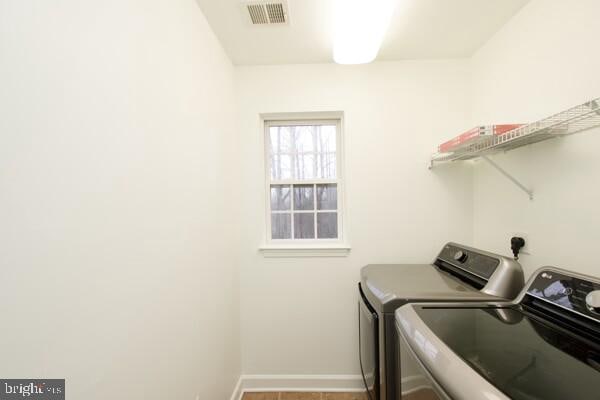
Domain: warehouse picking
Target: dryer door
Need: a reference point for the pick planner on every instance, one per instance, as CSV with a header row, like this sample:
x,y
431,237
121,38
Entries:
x,y
368,328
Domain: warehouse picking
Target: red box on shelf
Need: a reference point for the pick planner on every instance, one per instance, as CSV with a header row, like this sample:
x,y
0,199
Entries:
x,y
471,135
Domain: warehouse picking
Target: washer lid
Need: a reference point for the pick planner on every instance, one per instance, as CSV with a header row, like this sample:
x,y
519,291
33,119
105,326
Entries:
x,y
389,286
520,355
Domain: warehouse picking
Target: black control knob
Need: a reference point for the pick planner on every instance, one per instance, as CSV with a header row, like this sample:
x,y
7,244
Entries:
x,y
460,256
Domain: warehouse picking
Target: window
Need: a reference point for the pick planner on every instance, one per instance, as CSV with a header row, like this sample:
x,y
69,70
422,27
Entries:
x,y
303,181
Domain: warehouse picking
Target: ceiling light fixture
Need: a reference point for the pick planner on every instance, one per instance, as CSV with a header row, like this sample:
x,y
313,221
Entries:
x,y
358,29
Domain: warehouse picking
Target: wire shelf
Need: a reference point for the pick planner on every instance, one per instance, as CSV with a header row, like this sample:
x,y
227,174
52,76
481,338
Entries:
x,y
577,119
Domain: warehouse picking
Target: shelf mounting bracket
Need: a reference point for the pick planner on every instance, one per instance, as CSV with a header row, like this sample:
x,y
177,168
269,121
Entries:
x,y
509,176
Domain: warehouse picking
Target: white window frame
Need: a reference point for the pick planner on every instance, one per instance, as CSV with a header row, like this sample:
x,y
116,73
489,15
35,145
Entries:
x,y
305,247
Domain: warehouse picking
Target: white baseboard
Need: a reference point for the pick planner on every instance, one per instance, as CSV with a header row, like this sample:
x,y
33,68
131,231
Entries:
x,y
297,383
313,383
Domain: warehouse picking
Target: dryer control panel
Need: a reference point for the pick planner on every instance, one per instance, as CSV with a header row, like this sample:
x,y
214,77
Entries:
x,y
492,274
478,264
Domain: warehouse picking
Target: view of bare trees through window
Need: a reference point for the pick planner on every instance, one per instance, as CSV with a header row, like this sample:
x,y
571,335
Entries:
x,y
303,180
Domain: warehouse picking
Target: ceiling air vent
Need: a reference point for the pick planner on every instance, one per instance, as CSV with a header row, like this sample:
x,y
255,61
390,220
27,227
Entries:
x,y
267,12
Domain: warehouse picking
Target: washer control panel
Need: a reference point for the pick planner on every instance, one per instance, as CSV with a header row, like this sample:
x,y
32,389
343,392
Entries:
x,y
569,292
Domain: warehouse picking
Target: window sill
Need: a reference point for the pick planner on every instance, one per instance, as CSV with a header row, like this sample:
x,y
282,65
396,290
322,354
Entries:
x,y
334,250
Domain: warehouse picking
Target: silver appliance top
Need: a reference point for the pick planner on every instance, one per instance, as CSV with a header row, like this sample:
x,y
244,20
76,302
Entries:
x,y
389,286
543,345
459,273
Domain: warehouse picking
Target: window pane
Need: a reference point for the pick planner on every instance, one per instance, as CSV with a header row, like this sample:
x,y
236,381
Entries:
x,y
280,139
326,166
327,197
280,197
304,197
281,226
304,226
327,226
281,167
326,139
299,154
305,166
306,139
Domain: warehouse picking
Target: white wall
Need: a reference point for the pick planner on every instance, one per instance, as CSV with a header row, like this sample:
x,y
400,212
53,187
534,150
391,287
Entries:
x,y
544,60
116,141
118,263
299,315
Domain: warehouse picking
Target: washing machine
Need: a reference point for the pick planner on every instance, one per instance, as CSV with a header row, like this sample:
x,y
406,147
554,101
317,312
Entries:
x,y
543,346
